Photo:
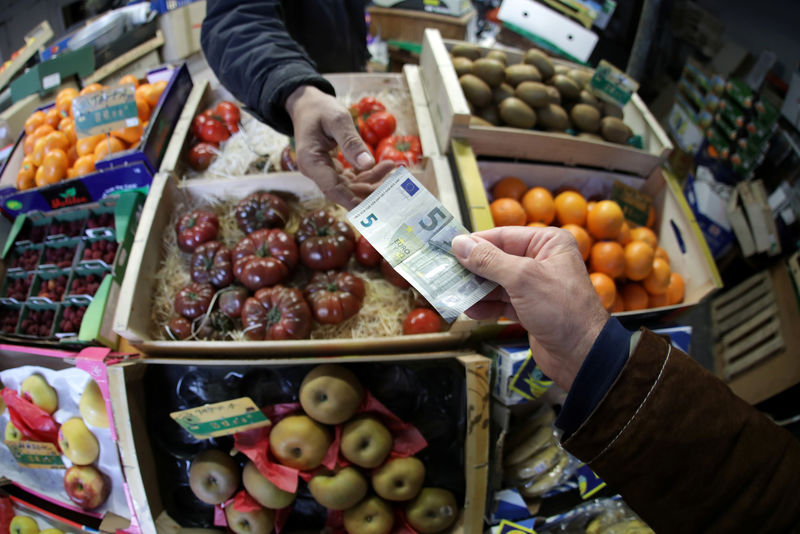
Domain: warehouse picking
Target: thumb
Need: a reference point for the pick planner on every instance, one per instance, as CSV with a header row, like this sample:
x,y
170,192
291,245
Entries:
x,y
353,147
484,259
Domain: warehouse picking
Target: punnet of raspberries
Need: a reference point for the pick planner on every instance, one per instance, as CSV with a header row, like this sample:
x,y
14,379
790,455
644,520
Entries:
x,y
26,260
8,320
59,256
67,228
17,288
53,288
71,319
85,285
100,250
101,220
38,323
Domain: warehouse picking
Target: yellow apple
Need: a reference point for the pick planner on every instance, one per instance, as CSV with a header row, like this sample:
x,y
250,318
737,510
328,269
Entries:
x,y
92,406
433,510
371,516
399,479
366,442
340,490
331,394
263,490
12,433
77,442
36,389
259,521
214,476
300,442
22,524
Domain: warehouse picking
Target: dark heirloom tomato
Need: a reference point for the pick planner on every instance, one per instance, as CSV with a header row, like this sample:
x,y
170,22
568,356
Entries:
x,y
193,300
264,258
211,263
402,149
196,228
366,253
216,327
334,296
231,300
179,328
392,276
261,210
422,321
325,241
276,313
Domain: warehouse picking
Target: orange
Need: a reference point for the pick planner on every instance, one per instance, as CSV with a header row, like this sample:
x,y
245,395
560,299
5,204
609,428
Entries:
x,y
661,253
26,175
129,78
56,139
142,108
38,152
36,119
52,117
618,305
570,208
507,212
536,225
64,101
108,146
71,173
651,217
624,236
605,288
539,205
634,296
84,165
656,301
582,237
130,135
91,88
675,288
72,155
590,205
509,187
607,257
638,260
657,281
86,145
142,90
68,127
643,233
54,167
605,220
39,177
27,145
153,94
42,130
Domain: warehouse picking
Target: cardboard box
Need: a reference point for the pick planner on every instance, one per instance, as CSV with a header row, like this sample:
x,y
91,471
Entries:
x,y
43,77
710,212
130,169
507,360
155,490
181,29
68,372
675,226
35,40
408,25
451,119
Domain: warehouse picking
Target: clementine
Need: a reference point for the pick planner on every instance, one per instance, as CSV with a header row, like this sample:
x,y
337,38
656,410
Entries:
x,y
130,135
84,165
607,257
675,289
507,212
129,78
142,108
536,225
36,119
657,301
661,253
86,145
605,220
107,146
153,94
54,165
91,88
570,208
618,306
634,296
605,288
657,281
582,237
539,205
643,233
26,175
638,260
509,187
52,117
624,236
42,130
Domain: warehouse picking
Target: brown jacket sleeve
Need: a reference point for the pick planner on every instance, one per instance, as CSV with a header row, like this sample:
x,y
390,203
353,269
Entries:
x,y
686,453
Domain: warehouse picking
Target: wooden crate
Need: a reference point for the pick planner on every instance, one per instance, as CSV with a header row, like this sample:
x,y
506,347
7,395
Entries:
x,y
756,335
133,322
127,385
410,24
451,116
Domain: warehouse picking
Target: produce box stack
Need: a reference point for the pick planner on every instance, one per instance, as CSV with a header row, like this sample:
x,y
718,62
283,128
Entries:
x,y
60,441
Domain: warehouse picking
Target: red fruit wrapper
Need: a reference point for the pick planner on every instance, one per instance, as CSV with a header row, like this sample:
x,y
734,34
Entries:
x,y
34,423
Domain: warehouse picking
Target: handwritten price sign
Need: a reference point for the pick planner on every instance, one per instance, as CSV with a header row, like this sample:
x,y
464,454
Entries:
x,y
105,111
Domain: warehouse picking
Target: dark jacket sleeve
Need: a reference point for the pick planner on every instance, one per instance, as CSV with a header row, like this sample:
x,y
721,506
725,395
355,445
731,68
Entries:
x,y
686,453
247,45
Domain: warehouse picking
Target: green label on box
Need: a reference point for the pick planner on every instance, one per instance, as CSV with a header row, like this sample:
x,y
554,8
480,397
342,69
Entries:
x,y
105,111
635,204
612,85
221,418
36,454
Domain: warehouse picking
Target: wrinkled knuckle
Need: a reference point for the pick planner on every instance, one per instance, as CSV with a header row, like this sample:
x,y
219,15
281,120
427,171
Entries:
x,y
483,257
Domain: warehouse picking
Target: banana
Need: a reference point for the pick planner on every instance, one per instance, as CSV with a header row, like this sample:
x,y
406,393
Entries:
x,y
548,480
541,438
630,526
544,416
535,466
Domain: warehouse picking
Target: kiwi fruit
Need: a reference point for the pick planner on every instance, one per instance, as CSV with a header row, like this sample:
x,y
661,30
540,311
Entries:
x,y
553,117
490,114
614,130
539,59
592,136
533,93
476,90
463,65
588,98
516,74
580,76
477,121
566,86
555,96
585,117
517,113
612,110
471,51
499,55
561,69
489,70
501,92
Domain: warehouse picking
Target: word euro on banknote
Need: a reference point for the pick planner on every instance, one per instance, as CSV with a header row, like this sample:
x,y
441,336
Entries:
x,y
413,231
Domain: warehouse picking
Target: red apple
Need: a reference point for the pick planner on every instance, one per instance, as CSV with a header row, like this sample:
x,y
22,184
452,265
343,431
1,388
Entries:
x,y
86,486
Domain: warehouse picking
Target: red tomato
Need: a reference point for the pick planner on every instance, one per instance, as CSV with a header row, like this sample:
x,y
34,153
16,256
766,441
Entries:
x,y
422,321
404,149
229,113
366,105
376,126
366,253
201,155
195,228
391,276
345,163
213,130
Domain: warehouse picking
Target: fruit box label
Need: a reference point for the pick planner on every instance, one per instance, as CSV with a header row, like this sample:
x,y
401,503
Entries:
x,y
105,110
507,527
221,418
635,204
530,382
36,454
611,84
